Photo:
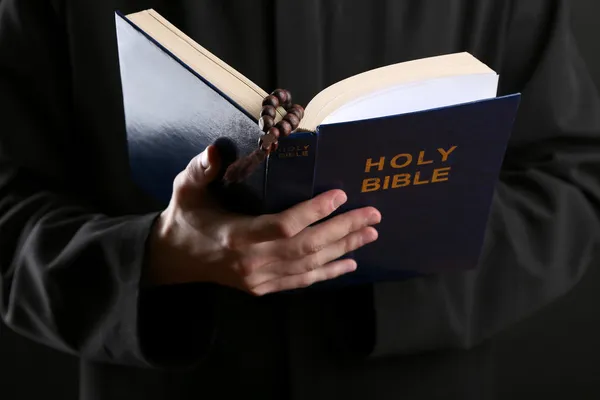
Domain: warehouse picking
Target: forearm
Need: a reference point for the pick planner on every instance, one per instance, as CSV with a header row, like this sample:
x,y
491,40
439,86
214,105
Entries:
x,y
71,280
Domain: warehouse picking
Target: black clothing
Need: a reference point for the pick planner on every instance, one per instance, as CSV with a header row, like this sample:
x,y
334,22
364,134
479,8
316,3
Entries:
x,y
73,228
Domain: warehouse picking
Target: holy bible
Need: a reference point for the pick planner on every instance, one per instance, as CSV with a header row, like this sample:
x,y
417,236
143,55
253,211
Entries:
x,y
422,141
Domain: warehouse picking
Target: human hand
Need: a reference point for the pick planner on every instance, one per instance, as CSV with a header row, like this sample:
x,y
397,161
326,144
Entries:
x,y
197,241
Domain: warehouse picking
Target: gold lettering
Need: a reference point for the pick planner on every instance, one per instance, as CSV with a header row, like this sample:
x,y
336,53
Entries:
x,y
440,174
446,153
370,164
386,183
394,160
371,185
417,180
421,157
400,180
403,160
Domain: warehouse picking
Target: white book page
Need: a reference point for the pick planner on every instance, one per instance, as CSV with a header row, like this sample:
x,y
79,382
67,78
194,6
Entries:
x,y
418,96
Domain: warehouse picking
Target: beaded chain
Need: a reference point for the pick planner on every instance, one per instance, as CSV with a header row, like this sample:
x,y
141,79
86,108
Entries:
x,y
269,142
283,128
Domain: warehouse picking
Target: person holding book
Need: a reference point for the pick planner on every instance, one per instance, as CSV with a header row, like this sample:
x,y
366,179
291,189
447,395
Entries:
x,y
189,301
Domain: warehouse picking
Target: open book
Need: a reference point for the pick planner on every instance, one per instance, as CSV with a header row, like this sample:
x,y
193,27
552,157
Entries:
x,y
423,141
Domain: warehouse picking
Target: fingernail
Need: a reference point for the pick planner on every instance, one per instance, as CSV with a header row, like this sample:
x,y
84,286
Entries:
x,y
339,200
374,218
204,159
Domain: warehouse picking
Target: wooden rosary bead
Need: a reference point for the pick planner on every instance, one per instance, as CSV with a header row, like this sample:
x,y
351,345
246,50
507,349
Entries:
x,y
298,110
275,132
293,112
267,140
285,128
266,122
271,100
268,110
293,119
288,101
282,95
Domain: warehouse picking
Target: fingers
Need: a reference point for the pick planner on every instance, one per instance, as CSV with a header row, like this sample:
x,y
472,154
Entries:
x,y
290,222
314,261
351,242
312,240
281,268
328,272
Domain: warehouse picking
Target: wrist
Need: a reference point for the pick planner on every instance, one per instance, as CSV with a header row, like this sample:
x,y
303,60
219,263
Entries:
x,y
163,265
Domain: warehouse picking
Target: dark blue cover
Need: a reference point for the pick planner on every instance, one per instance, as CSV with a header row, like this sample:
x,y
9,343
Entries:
x,y
290,172
438,221
172,114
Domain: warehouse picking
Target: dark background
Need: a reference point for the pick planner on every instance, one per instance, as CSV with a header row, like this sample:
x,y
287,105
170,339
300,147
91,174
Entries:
x,y
553,355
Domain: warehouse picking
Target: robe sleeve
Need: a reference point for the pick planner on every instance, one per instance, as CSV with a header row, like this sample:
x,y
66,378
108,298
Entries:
x,y
69,273
543,232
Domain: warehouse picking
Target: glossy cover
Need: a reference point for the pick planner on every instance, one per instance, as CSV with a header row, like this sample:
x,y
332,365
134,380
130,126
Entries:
x,y
432,175
172,114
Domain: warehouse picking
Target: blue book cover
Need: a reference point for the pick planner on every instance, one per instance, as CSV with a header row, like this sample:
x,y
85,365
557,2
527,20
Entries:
x,y
172,114
431,173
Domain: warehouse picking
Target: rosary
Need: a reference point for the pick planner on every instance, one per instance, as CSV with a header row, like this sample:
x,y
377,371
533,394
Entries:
x,y
268,143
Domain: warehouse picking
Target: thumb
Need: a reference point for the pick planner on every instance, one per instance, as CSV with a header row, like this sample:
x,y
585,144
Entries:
x,y
200,171
204,168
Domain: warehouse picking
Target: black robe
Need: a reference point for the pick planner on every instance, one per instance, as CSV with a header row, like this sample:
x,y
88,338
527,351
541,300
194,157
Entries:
x,y
73,227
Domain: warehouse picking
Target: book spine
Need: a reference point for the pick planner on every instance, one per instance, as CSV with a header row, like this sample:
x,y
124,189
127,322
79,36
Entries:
x,y
290,172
